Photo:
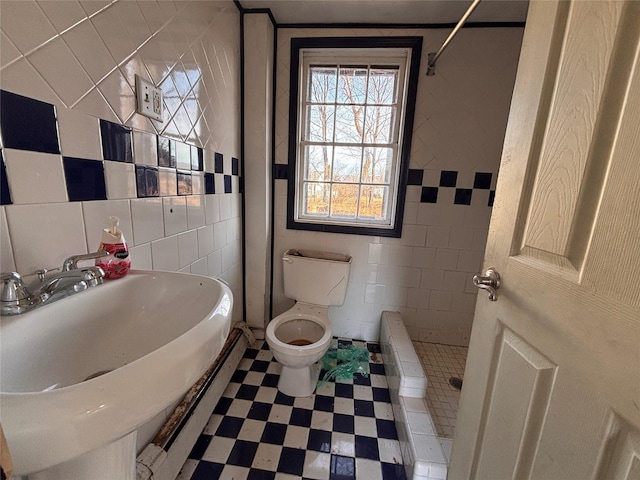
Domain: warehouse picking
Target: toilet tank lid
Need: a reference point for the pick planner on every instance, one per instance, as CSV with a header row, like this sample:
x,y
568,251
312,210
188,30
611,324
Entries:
x,y
335,257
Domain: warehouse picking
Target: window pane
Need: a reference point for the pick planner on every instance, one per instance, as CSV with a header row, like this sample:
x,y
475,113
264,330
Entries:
x,y
349,123
322,84
344,201
374,202
316,199
346,164
378,124
320,123
318,162
376,167
382,86
352,85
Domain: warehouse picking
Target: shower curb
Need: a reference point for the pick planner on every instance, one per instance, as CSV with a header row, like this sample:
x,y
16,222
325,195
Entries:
x,y
422,452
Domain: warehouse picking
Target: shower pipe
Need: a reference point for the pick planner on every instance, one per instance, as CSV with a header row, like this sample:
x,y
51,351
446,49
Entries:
x,y
433,56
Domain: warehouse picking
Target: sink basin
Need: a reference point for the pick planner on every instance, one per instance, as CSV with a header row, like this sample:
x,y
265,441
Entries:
x,y
90,369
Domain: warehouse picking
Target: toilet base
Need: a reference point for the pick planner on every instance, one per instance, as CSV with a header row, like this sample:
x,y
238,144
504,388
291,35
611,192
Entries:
x,y
299,382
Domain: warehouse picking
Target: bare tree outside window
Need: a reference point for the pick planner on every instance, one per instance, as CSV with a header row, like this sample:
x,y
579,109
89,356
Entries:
x,y
350,140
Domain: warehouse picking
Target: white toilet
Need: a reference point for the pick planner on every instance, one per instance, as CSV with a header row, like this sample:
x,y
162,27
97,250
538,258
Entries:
x,y
299,337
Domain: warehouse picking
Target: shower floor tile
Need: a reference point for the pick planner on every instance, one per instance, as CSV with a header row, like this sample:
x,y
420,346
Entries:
x,y
441,362
345,430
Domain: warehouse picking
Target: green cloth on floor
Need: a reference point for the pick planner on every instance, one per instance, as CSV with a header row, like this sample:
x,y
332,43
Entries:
x,y
341,362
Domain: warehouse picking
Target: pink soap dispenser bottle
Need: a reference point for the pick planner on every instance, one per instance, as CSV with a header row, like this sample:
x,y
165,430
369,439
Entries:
x,y
118,263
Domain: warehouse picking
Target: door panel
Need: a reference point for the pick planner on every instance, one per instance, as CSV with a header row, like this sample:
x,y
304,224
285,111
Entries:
x,y
552,382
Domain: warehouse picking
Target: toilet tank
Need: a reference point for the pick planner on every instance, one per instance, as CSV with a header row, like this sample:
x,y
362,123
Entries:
x,y
318,278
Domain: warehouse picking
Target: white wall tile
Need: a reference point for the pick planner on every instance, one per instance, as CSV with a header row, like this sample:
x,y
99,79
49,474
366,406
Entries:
x,y
168,181
175,215
7,263
79,134
188,247
200,267
211,209
145,148
205,240
146,217
219,235
195,211
164,254
120,179
35,177
141,258
214,261
47,233
446,259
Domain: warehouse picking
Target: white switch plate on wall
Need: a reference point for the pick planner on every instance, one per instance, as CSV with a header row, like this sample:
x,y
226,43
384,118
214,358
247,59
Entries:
x,y
149,99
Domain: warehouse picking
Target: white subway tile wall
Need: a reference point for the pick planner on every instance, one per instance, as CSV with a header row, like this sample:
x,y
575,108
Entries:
x,y
82,57
459,127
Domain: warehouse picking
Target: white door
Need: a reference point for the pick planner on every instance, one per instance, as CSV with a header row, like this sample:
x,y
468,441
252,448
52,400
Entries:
x,y
552,382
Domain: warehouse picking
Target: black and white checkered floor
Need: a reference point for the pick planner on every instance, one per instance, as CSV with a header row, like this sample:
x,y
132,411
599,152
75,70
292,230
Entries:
x,y
343,431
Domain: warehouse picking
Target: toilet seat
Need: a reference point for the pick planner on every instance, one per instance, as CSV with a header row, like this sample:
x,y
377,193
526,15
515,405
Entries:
x,y
301,311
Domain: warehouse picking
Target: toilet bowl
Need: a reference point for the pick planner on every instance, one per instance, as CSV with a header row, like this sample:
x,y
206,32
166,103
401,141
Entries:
x,y
298,338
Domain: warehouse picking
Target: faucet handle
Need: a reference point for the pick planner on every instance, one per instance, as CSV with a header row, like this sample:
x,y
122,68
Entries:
x,y
71,263
13,288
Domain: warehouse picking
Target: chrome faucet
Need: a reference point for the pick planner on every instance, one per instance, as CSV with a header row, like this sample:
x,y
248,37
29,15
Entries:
x,y
17,298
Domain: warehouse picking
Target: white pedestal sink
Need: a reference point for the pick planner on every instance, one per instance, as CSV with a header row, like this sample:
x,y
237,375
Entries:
x,y
141,341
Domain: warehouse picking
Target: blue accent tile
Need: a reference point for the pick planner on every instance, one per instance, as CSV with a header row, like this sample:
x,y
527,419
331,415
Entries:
x,y
280,171
415,177
209,183
218,163
185,185
323,403
270,380
234,166
200,446
393,471
259,411
207,471
381,395
229,427
343,423
374,347
166,155
84,179
28,124
319,440
344,390
247,392
5,193
223,406
116,142
448,178
282,399
147,181
492,197
291,461
342,468
242,453
386,429
251,353
363,408
429,195
367,447
482,180
300,417
463,196
227,184
274,433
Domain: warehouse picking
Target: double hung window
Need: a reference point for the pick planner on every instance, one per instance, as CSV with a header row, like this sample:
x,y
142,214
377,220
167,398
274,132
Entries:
x,y
350,118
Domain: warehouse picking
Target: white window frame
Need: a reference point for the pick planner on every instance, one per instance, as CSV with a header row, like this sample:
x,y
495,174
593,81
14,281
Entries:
x,y
403,55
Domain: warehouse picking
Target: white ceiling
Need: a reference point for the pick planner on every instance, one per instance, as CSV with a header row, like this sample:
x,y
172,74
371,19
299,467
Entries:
x,y
389,11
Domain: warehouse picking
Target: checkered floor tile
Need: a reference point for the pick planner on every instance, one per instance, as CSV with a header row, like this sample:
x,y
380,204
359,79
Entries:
x,y
345,430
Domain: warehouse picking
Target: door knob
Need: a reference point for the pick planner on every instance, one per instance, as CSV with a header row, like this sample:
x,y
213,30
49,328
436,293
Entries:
x,y
490,282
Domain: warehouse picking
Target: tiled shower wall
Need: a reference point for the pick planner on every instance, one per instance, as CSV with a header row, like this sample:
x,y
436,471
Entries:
x,y
81,57
459,126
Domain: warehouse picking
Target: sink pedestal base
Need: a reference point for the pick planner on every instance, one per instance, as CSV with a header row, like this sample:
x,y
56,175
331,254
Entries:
x,y
116,460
